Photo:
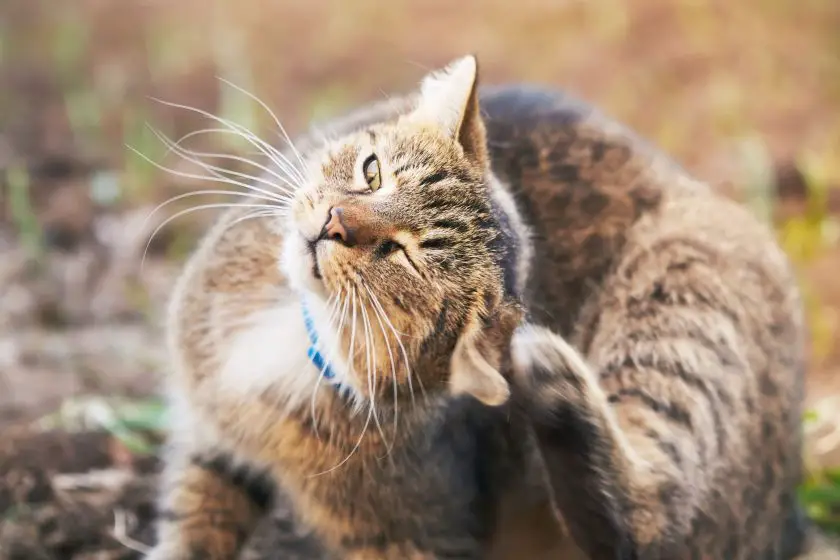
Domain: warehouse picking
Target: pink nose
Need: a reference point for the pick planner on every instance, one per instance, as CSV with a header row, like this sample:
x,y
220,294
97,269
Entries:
x,y
336,228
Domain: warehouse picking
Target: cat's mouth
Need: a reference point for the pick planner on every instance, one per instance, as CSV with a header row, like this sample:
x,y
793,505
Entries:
x,y
316,269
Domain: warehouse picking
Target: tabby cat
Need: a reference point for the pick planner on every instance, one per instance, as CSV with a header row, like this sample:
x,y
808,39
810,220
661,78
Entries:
x,y
487,323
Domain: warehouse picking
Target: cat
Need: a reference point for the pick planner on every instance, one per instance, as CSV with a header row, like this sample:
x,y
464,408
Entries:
x,y
486,322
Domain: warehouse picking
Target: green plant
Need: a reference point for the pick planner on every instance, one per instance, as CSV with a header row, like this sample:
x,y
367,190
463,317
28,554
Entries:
x,y
137,424
22,214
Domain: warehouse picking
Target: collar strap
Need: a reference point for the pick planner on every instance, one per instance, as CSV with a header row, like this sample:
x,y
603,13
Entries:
x,y
315,355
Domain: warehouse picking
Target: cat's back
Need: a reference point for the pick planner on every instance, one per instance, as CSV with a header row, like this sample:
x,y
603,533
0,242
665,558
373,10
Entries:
x,y
679,298
600,203
581,182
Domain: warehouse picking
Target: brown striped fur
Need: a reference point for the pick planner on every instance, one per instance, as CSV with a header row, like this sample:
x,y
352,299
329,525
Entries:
x,y
611,356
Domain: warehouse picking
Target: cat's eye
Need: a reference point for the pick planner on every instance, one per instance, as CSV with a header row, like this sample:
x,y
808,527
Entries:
x,y
371,172
388,247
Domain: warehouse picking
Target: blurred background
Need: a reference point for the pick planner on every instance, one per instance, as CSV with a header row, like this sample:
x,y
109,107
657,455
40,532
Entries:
x,y
745,94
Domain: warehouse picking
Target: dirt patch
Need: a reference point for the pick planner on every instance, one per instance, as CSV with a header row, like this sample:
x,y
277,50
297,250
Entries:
x,y
83,496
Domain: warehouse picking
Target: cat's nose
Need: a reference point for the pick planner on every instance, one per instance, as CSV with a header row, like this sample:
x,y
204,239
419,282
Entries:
x,y
337,229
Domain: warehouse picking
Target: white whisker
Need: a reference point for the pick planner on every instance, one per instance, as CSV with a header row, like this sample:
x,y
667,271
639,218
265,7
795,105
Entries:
x,y
402,350
250,216
174,199
332,310
370,410
352,350
264,147
195,157
332,307
273,209
216,178
276,121
390,358
370,350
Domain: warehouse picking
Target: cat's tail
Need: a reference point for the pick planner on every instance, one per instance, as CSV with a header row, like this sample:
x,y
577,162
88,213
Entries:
x,y
819,546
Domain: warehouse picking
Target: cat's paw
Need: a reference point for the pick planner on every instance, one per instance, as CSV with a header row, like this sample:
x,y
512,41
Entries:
x,y
546,369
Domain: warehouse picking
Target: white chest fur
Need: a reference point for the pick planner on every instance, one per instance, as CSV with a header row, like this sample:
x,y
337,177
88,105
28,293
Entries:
x,y
270,354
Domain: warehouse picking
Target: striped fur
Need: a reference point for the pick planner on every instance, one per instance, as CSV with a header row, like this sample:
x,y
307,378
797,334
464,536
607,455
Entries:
x,y
611,355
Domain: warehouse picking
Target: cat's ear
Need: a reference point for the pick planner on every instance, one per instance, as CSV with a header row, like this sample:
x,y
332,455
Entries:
x,y
475,371
449,100
479,357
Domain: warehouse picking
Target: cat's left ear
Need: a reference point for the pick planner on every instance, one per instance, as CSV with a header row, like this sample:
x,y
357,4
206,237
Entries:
x,y
481,354
449,100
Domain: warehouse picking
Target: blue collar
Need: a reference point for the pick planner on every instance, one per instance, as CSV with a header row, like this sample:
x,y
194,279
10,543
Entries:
x,y
315,355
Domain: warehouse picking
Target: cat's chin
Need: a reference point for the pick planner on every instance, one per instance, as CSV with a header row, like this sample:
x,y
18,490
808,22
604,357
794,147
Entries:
x,y
299,266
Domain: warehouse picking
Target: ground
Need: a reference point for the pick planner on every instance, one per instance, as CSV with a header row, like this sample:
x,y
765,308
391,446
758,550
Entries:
x,y
746,95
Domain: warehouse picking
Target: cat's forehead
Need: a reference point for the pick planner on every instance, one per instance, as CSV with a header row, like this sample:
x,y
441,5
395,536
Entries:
x,y
393,139
398,146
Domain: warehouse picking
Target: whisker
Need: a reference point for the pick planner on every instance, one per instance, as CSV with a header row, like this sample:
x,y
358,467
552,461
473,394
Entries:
x,y
176,145
267,149
336,346
273,116
332,302
370,350
262,194
390,358
174,199
370,410
352,352
352,451
332,310
261,145
217,178
195,157
274,210
409,373
250,216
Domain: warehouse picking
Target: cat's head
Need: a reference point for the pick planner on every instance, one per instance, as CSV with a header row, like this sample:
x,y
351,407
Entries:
x,y
392,232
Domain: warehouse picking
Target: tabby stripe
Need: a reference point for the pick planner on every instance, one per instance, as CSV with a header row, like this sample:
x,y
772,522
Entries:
x,y
658,300
547,378
424,159
436,204
434,178
712,397
436,243
672,410
464,176
667,448
446,223
721,351
440,323
403,168
477,209
714,392
257,486
702,254
690,378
